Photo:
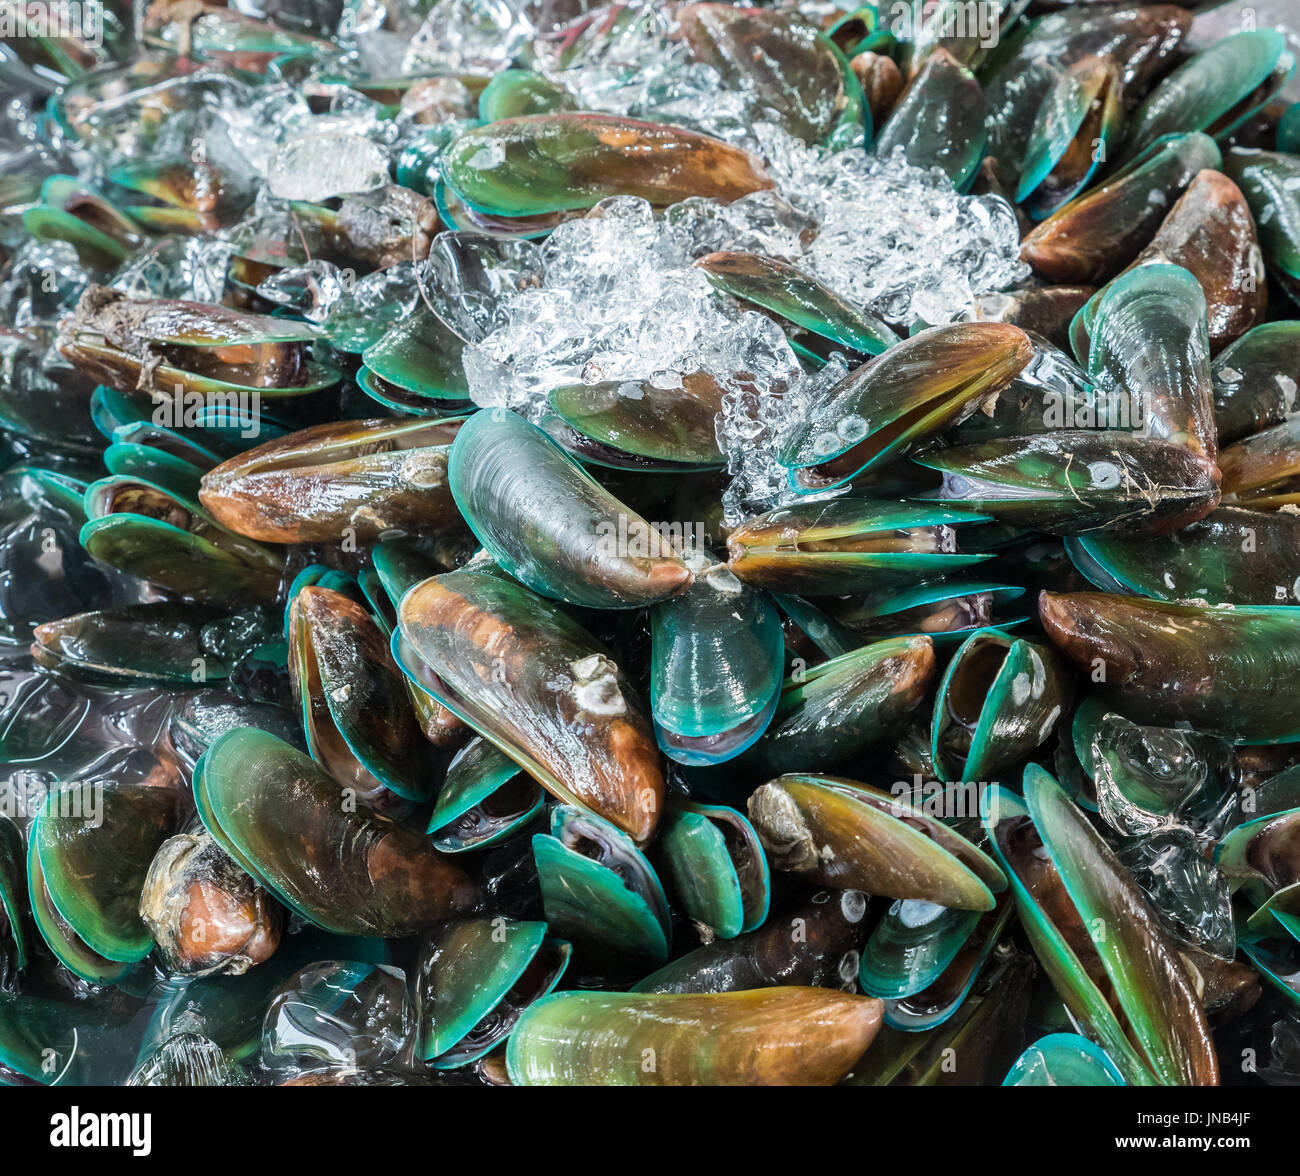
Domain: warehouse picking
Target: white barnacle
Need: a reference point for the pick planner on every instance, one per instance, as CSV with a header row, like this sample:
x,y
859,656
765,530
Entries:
x,y
1105,474
595,686
487,157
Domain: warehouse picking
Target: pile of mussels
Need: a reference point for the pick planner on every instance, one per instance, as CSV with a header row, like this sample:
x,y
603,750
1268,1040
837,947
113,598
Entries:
x,y
357,727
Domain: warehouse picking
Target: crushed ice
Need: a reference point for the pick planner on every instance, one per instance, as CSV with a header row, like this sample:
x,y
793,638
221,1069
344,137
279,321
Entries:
x,y
621,300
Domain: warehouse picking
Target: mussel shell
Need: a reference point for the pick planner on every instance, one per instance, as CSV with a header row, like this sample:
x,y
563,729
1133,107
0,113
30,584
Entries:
x,y
345,869
419,356
135,643
1072,131
1149,347
1056,928
357,720
94,843
1071,481
795,72
1000,698
473,980
497,653
714,865
1212,91
1232,556
778,287
938,121
1097,234
662,423
915,390
715,667
158,536
847,545
829,714
1210,233
599,890
550,524
814,943
911,947
1063,1059
1270,182
485,797
848,835
1254,380
1163,663
550,162
371,477
767,1036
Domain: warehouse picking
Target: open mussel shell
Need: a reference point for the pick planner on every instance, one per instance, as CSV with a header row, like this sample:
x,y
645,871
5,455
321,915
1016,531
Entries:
x,y
416,366
326,482
598,889
814,943
176,348
830,713
355,713
973,1047
398,567
1072,132
767,1036
911,946
205,913
1232,556
1254,381
551,525
473,981
551,162
89,851
938,121
915,390
160,536
946,991
1165,663
485,798
147,453
1215,90
1071,481
669,421
344,868
132,644
1092,927
1063,1059
1098,233
1277,957
1260,859
778,287
847,545
945,611
495,653
103,236
1000,698
713,865
715,666
840,833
